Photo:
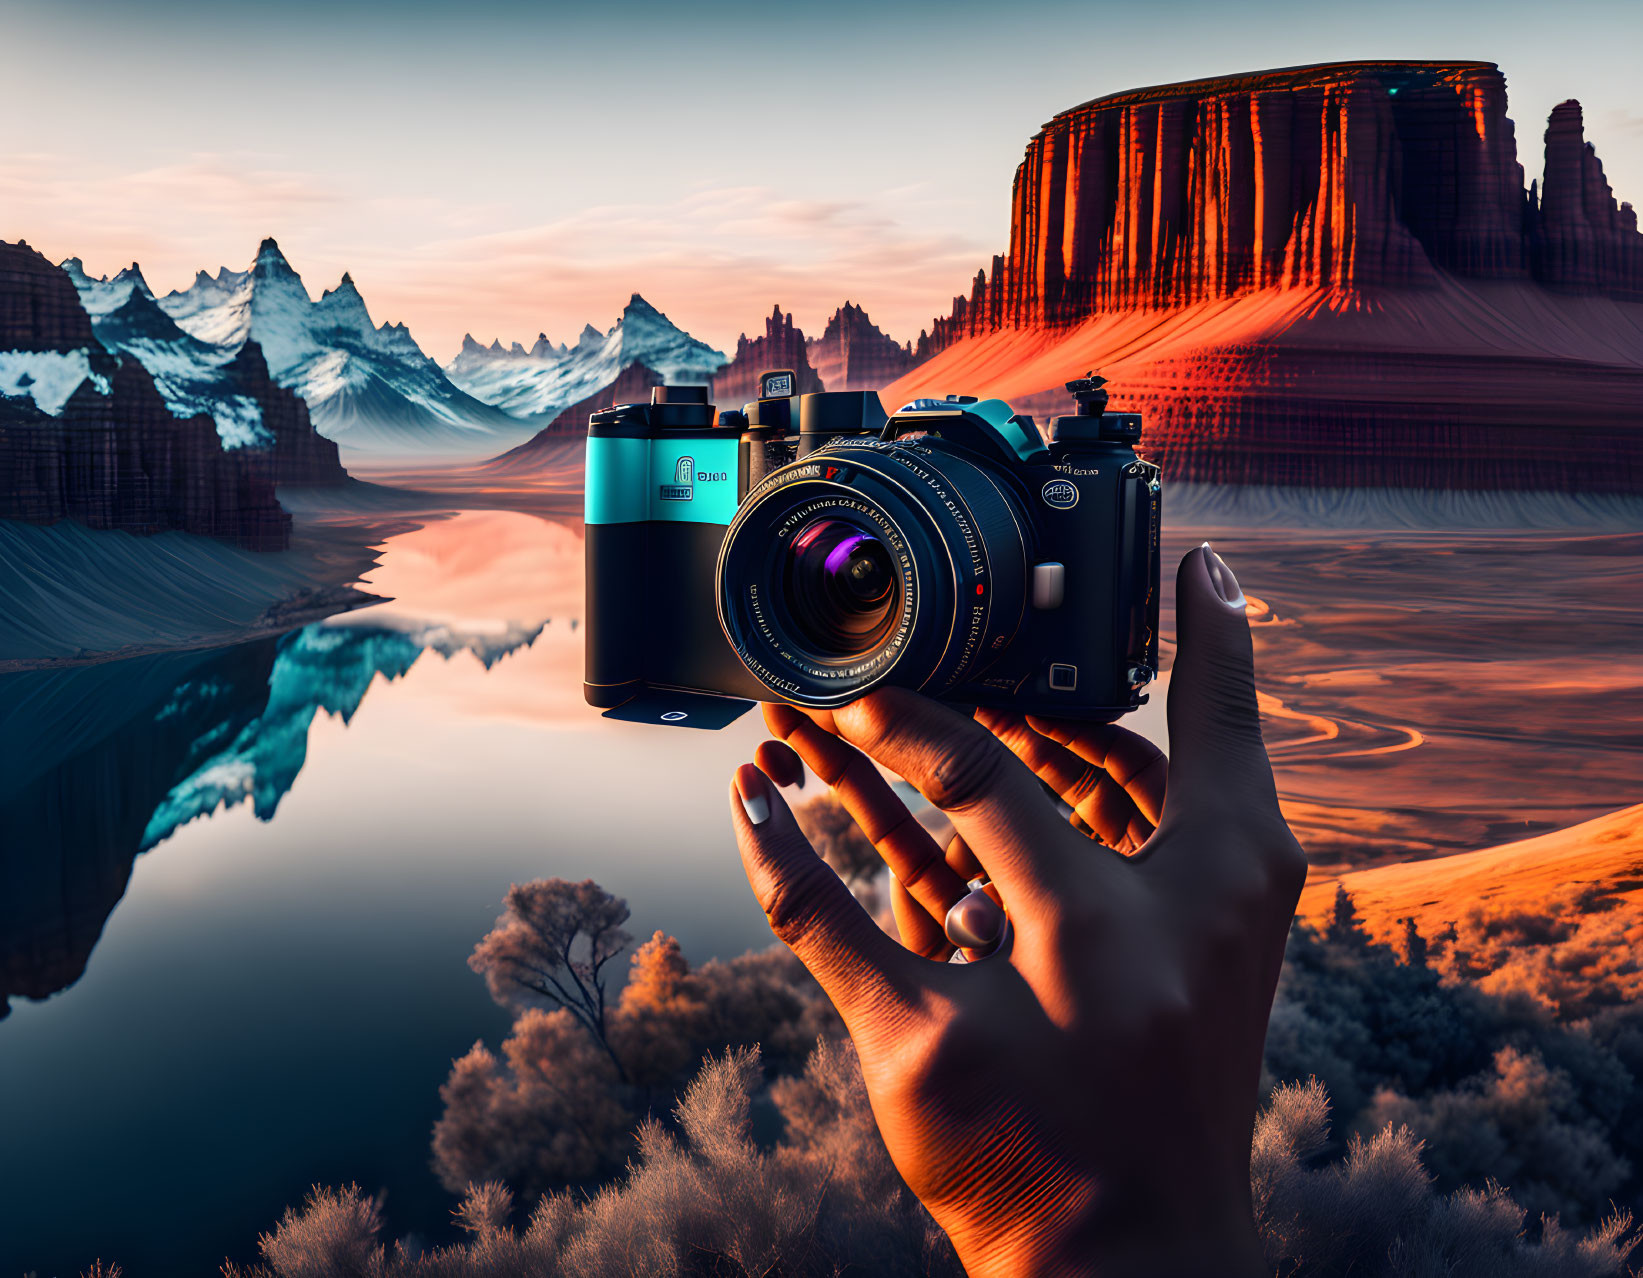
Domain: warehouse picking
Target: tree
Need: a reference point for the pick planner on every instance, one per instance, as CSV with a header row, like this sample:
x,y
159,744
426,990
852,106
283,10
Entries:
x,y
1344,925
552,942
838,840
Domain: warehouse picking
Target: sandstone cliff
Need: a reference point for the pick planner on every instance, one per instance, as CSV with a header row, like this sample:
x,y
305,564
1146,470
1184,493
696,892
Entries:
x,y
86,434
1327,275
782,346
853,354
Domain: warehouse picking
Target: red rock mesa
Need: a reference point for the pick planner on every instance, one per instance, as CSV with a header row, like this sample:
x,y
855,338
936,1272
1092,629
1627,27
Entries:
x,y
1320,275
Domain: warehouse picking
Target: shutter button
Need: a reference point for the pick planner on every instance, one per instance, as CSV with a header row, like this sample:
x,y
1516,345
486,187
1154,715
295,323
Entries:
x,y
1049,585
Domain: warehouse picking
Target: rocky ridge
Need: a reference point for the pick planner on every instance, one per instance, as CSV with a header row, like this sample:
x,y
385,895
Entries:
x,y
782,346
854,354
86,433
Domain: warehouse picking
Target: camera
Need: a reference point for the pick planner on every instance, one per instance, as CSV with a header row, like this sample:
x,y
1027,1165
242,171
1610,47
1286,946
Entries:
x,y
809,548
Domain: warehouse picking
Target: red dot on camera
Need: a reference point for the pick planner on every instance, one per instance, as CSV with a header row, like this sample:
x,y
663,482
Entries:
x,y
978,587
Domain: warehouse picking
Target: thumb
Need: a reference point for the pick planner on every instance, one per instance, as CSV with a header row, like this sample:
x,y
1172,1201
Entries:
x,y
1218,761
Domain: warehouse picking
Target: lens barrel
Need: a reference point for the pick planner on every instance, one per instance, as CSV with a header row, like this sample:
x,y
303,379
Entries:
x,y
867,563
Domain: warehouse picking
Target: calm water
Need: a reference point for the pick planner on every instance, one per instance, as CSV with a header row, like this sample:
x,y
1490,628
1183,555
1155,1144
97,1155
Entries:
x,y
249,879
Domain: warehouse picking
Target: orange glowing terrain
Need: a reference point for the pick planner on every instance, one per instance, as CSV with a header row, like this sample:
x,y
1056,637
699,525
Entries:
x,y
1557,918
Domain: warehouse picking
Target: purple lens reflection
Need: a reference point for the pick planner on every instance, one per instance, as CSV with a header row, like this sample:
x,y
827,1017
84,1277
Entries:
x,y
840,588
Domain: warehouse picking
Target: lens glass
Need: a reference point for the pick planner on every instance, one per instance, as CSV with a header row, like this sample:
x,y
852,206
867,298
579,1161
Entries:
x,y
841,587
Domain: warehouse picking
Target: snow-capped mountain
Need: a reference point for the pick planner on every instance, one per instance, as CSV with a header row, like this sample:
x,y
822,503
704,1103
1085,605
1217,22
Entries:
x,y
534,385
190,374
369,387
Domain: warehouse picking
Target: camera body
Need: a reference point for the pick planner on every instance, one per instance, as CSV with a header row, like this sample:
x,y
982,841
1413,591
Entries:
x,y
808,549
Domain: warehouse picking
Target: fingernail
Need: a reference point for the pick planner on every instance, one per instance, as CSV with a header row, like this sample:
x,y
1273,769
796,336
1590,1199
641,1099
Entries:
x,y
975,922
755,802
1221,577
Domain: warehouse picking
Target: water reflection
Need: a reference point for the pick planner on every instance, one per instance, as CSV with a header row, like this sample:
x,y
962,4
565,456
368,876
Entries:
x,y
101,763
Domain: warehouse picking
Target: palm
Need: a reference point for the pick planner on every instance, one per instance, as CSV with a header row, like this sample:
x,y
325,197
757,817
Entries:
x,y
1091,1084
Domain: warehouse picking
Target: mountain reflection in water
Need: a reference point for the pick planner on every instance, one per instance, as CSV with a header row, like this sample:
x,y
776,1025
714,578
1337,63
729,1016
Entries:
x,y
100,763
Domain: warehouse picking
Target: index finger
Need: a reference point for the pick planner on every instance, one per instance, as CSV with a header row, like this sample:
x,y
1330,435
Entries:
x,y
913,856
993,800
810,910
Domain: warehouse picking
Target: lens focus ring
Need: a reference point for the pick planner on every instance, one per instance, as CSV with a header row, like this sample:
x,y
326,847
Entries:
x,y
871,563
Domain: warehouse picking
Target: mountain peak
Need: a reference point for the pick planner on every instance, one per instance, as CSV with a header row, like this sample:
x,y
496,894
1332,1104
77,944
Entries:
x,y
270,261
469,346
133,275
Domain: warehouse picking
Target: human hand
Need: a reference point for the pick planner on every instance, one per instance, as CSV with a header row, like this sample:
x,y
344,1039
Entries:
x,y
1081,1100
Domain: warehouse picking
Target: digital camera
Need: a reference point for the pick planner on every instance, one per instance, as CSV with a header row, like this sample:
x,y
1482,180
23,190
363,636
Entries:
x,y
808,549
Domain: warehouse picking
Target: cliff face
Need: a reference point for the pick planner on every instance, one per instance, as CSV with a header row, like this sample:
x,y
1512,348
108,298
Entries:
x,y
86,435
782,346
1346,176
1580,239
853,354
1334,275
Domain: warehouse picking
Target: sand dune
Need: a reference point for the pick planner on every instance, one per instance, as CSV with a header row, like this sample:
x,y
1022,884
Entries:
x,y
1604,855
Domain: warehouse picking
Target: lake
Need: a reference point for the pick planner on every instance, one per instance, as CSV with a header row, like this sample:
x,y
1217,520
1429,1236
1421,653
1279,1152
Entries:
x,y
243,883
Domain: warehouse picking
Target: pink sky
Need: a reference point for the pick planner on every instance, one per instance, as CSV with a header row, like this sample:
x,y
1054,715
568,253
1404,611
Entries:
x,y
523,167
715,258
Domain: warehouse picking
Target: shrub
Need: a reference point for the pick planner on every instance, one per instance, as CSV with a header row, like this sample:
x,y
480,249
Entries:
x,y
560,1105
1495,1082
1377,1212
700,1197
705,1199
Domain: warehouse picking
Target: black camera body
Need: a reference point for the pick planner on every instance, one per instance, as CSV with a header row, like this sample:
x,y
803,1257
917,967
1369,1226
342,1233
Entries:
x,y
808,549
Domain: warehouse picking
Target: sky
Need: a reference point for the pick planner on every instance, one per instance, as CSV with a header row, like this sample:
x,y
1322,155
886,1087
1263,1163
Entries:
x,y
513,168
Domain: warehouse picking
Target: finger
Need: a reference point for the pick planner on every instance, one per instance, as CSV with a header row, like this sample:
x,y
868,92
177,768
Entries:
x,y
777,760
912,855
939,826
810,909
1136,764
1219,769
919,932
1094,795
994,801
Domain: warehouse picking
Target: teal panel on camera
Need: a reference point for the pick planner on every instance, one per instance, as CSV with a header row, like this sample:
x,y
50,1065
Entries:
x,y
615,487
693,481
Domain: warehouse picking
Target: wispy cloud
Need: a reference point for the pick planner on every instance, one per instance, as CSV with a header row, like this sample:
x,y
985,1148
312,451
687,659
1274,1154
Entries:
x,y
716,257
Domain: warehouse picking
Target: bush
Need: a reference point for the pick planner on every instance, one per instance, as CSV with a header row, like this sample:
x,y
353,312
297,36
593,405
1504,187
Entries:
x,y
1377,1212
560,1105
699,1198
826,1201
1499,1087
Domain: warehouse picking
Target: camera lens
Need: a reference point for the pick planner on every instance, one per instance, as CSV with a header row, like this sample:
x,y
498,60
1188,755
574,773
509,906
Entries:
x,y
871,562
840,587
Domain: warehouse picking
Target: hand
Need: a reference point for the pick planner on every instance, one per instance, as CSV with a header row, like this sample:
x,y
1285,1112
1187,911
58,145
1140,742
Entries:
x,y
1081,1100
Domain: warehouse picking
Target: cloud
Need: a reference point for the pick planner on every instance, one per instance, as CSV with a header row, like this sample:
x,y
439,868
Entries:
x,y
1619,120
716,258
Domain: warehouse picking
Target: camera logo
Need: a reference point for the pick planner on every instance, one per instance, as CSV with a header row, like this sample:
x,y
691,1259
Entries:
x,y
681,488
1060,493
776,385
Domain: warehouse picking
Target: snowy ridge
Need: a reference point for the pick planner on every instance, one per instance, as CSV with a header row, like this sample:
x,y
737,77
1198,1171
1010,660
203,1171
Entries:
x,y
49,378
368,387
188,373
535,385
